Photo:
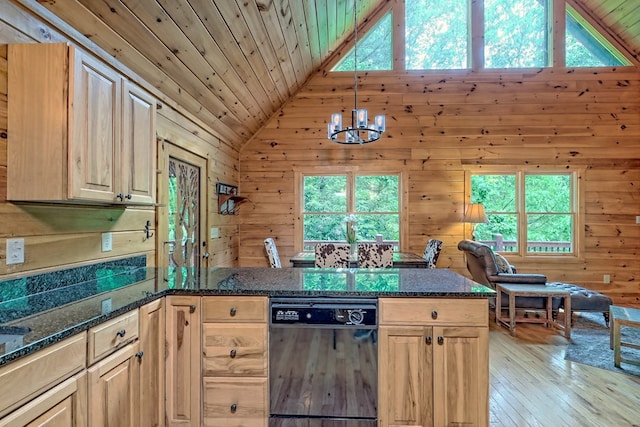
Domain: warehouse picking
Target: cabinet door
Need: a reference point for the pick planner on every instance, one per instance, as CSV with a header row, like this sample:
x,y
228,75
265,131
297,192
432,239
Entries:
x,y
152,330
63,406
183,376
461,376
404,376
138,162
94,127
114,388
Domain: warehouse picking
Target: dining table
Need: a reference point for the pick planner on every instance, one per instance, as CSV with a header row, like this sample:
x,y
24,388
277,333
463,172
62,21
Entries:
x,y
400,260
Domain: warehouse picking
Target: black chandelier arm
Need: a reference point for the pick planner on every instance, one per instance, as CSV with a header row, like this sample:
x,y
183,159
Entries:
x,y
372,136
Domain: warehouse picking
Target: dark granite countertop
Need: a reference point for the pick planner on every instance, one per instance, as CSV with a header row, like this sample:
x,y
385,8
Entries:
x,y
34,321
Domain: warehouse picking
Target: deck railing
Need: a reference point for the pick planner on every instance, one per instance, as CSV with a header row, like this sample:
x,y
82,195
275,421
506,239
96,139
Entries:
x,y
501,245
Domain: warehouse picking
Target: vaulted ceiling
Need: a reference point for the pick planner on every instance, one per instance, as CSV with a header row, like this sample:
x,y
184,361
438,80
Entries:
x,y
234,63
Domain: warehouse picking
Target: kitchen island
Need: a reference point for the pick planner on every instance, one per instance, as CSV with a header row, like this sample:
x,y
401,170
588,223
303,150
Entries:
x,y
204,308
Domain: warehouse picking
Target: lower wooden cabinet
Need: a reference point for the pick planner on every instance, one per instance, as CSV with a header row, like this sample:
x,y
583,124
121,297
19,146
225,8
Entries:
x,y
114,389
183,372
235,402
433,372
65,405
152,368
235,361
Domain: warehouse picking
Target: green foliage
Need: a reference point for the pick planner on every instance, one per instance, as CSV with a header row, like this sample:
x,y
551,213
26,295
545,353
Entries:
x,y
375,49
547,207
516,35
376,202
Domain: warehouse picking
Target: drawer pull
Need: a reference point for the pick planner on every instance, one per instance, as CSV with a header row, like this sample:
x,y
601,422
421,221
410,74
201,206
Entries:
x,y
428,340
192,308
233,353
434,315
234,407
440,340
121,333
233,311
139,355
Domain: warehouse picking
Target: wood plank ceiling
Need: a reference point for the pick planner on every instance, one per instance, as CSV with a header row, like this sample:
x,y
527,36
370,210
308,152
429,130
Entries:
x,y
234,63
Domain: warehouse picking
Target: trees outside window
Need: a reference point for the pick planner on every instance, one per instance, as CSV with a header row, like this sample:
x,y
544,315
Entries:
x,y
515,34
328,199
528,213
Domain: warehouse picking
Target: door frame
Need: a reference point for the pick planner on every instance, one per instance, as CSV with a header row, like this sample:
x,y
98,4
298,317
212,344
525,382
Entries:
x,y
168,149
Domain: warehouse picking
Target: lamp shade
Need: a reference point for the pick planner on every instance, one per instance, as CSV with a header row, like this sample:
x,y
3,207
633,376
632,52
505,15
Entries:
x,y
475,213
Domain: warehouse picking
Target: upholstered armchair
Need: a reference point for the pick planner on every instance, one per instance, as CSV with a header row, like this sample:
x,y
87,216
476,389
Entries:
x,y
332,255
488,268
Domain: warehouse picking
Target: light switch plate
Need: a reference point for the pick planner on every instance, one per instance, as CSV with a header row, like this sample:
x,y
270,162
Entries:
x,y
214,233
15,251
107,242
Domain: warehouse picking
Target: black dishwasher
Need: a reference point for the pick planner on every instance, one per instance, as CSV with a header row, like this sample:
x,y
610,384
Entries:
x,y
323,362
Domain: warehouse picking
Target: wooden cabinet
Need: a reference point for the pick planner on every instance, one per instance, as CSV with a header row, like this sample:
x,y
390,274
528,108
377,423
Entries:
x,y
183,374
151,347
433,362
65,405
78,130
106,337
114,389
33,375
235,361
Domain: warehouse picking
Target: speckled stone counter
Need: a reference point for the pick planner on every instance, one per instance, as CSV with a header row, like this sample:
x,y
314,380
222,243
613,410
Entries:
x,y
73,308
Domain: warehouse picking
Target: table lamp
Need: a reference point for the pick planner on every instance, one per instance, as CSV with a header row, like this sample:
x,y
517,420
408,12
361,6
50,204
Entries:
x,y
475,215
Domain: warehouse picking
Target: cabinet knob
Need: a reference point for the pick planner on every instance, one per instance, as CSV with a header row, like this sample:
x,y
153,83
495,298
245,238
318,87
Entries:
x,y
192,308
233,353
440,340
233,311
139,355
434,315
121,333
428,340
234,407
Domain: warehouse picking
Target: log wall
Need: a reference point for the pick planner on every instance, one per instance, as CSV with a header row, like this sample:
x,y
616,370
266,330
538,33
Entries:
x,y
65,236
440,125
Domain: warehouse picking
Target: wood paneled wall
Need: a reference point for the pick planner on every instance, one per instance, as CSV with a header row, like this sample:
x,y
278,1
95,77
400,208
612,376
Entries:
x,y
63,236
439,125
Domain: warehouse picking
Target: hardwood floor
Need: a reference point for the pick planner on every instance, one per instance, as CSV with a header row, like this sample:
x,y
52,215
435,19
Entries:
x,y
531,384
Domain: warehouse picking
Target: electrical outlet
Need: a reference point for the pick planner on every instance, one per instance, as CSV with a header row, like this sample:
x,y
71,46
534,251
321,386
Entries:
x,y
107,242
606,278
638,219
106,306
15,251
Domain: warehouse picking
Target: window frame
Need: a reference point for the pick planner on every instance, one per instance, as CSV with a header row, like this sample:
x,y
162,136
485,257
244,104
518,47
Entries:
x,y
576,203
351,173
557,14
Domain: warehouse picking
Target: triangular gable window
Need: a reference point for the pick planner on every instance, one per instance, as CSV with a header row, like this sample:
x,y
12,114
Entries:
x,y
375,49
586,47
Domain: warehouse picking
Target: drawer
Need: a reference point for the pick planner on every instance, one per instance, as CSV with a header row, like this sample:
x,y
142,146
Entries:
x,y
32,375
235,402
234,309
433,311
234,349
111,335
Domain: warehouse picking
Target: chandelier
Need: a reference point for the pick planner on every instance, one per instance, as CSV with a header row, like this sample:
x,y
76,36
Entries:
x,y
360,131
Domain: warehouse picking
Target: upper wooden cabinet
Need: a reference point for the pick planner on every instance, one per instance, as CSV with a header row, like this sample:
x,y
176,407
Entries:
x,y
79,132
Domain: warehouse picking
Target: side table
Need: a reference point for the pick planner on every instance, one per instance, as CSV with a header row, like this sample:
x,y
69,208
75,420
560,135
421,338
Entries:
x,y
513,290
622,316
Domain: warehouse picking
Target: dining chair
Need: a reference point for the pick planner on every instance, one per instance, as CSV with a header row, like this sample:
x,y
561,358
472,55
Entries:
x,y
272,252
375,255
432,252
332,255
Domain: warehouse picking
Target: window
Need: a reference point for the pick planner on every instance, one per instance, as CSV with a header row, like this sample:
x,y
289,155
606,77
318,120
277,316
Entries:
x,y
528,213
436,34
375,49
515,33
506,34
585,47
328,199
